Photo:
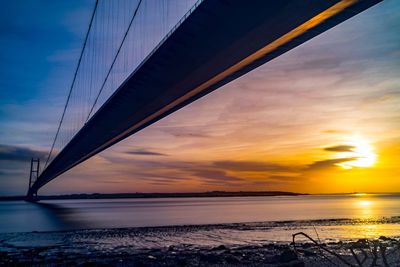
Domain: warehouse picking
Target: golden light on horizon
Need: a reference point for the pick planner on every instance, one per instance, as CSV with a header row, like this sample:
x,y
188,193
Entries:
x,y
363,153
365,208
364,203
359,194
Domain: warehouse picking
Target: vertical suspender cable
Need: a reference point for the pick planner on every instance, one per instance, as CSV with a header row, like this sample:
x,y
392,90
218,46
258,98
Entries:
x,y
72,84
115,58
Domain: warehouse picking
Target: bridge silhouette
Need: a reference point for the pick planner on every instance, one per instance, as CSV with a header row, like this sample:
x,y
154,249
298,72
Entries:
x,y
143,60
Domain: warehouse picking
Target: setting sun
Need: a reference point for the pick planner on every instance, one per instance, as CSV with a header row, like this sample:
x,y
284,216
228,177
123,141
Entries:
x,y
363,153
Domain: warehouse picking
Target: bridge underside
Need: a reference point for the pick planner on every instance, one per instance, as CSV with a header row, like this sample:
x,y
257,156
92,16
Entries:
x,y
219,42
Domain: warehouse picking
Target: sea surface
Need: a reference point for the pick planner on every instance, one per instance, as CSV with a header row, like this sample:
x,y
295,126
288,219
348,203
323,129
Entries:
x,y
340,216
245,229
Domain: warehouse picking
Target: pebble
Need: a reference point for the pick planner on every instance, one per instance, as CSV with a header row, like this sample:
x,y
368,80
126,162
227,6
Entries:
x,y
288,255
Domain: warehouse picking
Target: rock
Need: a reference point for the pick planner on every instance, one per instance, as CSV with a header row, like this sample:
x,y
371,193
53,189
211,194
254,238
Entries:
x,y
232,259
288,255
295,263
220,247
307,245
271,259
227,251
309,253
361,243
181,261
88,264
139,263
269,245
211,258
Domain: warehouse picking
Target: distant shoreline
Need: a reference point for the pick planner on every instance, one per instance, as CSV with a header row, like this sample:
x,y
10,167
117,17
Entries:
x,y
159,195
187,195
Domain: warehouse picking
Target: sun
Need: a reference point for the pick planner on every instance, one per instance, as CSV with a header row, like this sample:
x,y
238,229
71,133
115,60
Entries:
x,y
363,153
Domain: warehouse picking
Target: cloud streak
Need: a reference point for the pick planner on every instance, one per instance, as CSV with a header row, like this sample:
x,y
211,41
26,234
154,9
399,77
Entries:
x,y
16,153
144,152
340,148
328,163
252,166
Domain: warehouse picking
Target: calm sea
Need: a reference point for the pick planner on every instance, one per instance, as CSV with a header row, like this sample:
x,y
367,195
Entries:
x,y
56,215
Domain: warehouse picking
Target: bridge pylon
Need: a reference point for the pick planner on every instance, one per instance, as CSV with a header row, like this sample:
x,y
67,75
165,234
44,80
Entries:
x,y
34,174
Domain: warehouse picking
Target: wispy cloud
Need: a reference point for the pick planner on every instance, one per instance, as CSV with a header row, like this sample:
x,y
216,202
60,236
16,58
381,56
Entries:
x,y
216,176
328,163
252,166
144,152
340,148
16,153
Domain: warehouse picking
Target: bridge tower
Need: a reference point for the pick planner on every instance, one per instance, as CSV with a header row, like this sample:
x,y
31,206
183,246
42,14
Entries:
x,y
34,174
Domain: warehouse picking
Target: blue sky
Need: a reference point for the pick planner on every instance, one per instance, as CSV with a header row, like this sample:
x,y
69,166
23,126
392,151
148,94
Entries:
x,y
347,78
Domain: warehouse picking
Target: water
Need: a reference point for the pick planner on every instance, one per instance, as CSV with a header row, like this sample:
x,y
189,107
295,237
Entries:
x,y
126,225
57,215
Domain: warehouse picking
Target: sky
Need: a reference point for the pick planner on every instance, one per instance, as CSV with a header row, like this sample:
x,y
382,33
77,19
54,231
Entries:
x,y
322,118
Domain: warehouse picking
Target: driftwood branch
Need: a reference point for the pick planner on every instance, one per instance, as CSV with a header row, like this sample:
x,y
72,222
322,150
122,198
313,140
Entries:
x,y
375,253
321,247
365,256
355,257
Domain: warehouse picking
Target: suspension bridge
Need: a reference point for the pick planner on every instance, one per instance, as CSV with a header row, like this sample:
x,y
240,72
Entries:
x,y
143,60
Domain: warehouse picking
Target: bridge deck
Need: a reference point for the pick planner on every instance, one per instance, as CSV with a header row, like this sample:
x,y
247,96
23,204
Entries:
x,y
220,41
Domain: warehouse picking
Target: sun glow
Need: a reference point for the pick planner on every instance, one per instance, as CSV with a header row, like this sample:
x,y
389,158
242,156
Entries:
x,y
364,203
362,152
359,194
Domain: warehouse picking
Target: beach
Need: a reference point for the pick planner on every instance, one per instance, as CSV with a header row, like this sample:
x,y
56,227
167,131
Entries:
x,y
240,244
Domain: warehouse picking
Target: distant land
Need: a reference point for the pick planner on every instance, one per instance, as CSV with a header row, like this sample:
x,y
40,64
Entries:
x,y
160,195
